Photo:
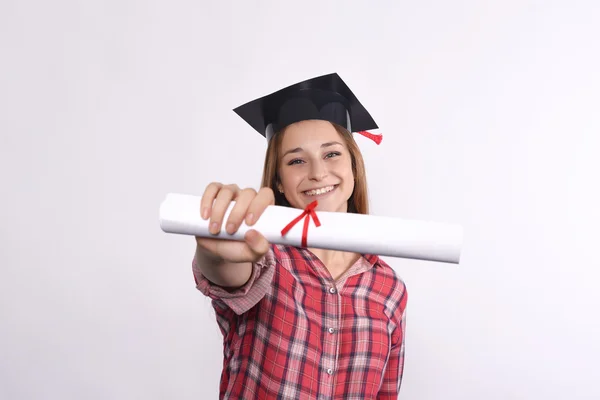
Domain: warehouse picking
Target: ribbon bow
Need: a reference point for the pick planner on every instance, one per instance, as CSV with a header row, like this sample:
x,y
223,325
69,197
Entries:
x,y
308,212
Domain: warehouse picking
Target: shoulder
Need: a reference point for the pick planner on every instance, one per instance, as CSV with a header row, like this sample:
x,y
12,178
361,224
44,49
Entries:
x,y
383,268
396,292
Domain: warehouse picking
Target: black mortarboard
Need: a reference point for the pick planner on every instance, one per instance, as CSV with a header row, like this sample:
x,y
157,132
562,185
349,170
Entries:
x,y
325,97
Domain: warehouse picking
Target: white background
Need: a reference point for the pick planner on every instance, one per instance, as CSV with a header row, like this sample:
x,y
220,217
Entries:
x,y
490,116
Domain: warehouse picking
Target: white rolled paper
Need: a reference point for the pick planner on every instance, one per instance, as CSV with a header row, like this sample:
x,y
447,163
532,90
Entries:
x,y
365,234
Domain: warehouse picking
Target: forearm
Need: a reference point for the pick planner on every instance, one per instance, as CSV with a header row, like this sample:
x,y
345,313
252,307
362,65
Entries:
x,y
221,273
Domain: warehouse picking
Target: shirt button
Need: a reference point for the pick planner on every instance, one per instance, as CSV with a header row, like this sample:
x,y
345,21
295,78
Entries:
x,y
331,330
329,371
332,290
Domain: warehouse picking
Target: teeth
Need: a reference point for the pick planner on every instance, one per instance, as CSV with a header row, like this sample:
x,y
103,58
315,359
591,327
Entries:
x,y
319,191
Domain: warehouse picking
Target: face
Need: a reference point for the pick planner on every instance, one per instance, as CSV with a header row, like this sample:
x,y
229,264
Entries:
x,y
315,165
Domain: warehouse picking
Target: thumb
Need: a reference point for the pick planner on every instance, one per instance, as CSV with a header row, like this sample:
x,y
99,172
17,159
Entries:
x,y
257,243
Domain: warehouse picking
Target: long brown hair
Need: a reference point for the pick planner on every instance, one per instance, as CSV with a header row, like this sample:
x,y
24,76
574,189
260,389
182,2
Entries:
x,y
358,202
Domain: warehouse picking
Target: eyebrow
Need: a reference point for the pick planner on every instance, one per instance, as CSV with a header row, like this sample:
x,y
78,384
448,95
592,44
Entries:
x,y
299,149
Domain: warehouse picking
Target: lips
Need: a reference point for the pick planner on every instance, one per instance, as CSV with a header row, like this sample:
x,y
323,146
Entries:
x,y
320,191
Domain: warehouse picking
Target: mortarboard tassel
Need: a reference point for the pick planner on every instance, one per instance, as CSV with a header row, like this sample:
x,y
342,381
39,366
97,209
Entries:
x,y
376,138
308,212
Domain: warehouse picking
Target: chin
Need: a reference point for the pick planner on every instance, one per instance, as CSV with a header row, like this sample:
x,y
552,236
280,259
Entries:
x,y
329,207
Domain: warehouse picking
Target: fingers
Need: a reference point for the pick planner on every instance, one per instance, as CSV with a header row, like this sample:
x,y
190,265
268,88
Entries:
x,y
249,206
208,198
239,211
261,201
257,243
215,201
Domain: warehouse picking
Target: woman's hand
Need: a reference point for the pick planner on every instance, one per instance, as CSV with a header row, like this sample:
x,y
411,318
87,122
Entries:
x,y
249,206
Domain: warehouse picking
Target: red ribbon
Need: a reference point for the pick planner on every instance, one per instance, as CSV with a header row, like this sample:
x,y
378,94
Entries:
x,y
308,212
376,138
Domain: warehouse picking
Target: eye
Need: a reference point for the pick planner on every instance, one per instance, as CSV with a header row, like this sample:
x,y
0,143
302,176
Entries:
x,y
295,161
332,154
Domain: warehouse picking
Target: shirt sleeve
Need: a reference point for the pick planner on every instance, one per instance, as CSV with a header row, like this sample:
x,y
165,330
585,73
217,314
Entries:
x,y
392,380
245,297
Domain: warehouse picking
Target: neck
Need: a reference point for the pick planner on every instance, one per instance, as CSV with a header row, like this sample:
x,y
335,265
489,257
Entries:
x,y
337,262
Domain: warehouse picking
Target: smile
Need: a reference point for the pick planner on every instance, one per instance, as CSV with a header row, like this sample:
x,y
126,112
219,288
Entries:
x,y
317,192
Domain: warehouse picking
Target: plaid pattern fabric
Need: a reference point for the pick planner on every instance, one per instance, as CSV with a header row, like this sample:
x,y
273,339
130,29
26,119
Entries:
x,y
292,332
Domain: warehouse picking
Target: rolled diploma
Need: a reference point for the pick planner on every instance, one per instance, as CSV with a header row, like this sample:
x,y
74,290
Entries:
x,y
365,234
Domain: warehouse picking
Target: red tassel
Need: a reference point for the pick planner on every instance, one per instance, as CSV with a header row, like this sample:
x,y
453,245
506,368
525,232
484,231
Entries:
x,y
376,138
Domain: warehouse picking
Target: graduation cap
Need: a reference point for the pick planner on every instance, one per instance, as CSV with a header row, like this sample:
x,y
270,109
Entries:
x,y
325,98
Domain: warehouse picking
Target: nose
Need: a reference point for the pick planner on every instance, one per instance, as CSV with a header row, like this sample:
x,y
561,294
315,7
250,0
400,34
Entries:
x,y
318,171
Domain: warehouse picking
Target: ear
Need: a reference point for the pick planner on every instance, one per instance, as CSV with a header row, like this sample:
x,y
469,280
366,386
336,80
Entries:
x,y
278,185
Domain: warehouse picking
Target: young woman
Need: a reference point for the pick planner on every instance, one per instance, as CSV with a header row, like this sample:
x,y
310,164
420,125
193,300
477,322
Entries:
x,y
302,323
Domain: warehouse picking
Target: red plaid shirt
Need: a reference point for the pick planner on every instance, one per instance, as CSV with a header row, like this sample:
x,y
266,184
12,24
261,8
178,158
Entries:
x,y
292,332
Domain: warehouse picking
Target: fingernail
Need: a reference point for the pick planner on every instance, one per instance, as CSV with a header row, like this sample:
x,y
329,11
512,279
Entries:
x,y
205,213
250,219
213,228
230,228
